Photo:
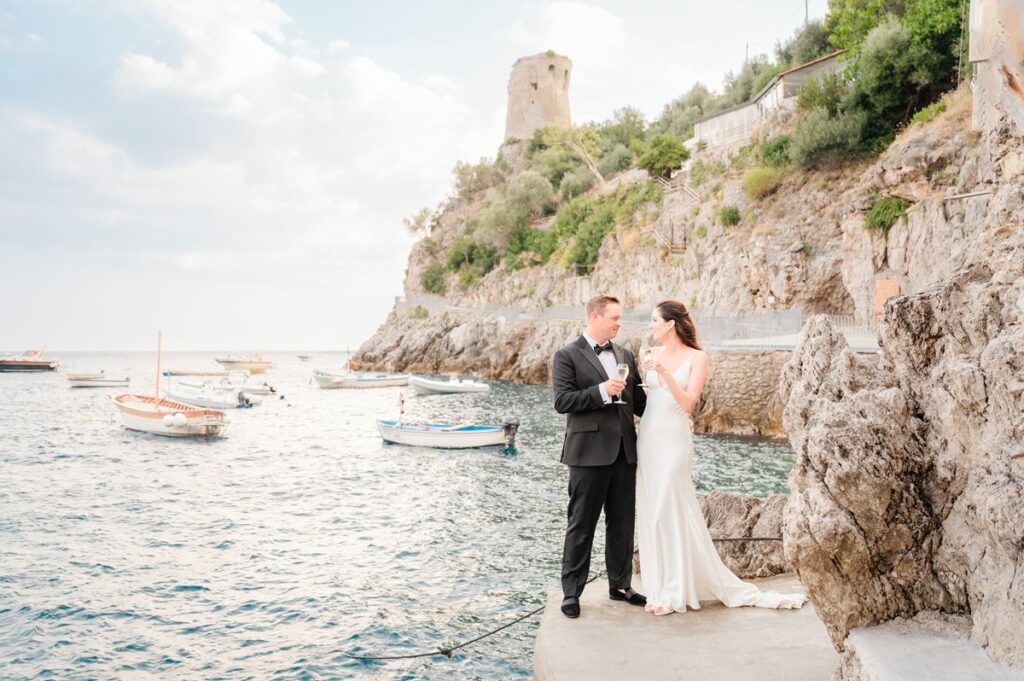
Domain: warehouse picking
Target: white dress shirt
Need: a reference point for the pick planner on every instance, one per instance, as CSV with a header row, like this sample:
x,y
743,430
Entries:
x,y
607,360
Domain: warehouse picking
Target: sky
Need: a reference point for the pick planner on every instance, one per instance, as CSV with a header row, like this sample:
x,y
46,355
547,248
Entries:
x,y
235,172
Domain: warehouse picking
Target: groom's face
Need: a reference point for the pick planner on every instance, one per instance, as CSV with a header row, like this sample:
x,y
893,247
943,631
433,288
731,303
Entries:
x,y
605,325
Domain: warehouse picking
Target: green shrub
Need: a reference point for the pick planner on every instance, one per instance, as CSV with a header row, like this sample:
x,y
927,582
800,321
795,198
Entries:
x,y
820,138
775,151
701,171
729,215
432,279
418,312
589,238
887,83
929,113
664,154
471,178
760,182
884,213
700,231
576,182
527,196
468,277
466,254
530,246
825,92
617,158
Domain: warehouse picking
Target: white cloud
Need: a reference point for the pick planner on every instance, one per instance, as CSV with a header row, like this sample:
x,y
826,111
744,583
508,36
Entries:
x,y
319,161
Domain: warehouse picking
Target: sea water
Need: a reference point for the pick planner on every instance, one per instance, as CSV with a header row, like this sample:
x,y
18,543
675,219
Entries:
x,y
294,540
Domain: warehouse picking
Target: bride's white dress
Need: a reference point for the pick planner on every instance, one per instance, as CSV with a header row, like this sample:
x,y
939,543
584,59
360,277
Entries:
x,y
678,561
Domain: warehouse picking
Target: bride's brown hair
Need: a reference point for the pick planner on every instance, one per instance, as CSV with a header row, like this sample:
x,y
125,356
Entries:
x,y
675,312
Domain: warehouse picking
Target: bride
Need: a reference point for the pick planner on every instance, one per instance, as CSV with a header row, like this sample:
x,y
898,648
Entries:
x,y
678,560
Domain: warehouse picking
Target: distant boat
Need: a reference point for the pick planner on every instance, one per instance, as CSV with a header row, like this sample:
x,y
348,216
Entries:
x,y
30,360
430,386
169,418
326,379
209,395
95,380
254,386
305,358
449,436
254,364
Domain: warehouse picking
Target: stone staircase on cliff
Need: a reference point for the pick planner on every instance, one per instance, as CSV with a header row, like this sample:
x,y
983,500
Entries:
x,y
677,184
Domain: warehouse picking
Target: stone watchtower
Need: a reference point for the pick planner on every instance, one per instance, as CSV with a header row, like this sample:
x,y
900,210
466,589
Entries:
x,y
538,95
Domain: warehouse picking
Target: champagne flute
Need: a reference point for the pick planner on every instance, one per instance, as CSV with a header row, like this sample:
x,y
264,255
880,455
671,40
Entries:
x,y
622,371
646,355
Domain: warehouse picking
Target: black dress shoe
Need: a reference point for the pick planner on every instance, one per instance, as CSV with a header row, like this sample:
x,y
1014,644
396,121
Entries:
x,y
571,607
628,595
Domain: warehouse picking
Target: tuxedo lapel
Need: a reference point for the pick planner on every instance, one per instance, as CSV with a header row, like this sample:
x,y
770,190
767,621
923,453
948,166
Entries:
x,y
588,354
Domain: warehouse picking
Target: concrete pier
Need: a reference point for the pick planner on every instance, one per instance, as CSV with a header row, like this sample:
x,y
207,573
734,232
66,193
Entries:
x,y
612,640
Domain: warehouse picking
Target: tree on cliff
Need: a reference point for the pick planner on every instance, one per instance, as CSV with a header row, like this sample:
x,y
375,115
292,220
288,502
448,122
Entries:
x,y
664,154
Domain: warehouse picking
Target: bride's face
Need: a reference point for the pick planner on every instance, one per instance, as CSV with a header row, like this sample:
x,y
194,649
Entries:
x,y
659,327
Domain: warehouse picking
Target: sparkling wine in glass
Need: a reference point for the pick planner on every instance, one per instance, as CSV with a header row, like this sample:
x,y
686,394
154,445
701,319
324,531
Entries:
x,y
646,355
622,371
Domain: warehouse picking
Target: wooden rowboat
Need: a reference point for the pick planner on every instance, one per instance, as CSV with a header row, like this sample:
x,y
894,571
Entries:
x,y
169,418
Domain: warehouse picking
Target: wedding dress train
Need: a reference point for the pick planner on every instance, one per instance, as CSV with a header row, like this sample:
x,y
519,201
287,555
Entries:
x,y
679,564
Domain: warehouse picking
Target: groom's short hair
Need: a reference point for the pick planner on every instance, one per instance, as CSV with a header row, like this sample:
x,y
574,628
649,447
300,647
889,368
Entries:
x,y
599,303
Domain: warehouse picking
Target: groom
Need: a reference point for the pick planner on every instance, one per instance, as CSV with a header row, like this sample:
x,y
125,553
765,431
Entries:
x,y
600,450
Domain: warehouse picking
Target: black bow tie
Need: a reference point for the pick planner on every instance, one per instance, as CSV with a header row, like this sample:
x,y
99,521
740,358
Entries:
x,y
603,348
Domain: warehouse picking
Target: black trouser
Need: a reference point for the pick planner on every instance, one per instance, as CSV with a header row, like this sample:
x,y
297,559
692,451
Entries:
x,y
591,488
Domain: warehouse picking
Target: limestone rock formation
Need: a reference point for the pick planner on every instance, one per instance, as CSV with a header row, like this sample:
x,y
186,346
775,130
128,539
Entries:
x,y
908,492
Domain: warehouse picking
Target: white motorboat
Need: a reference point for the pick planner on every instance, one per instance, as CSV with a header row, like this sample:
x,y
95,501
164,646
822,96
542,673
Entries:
x,y
431,386
254,364
30,360
169,418
97,379
305,358
449,436
358,379
209,395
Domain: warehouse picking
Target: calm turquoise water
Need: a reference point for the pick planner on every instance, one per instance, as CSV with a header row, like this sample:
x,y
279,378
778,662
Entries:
x,y
295,539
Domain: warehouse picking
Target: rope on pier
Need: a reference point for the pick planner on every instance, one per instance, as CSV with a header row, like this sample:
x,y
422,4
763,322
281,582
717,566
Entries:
x,y
447,651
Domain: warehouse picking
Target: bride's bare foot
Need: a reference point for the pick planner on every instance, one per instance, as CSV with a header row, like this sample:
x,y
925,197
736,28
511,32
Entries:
x,y
659,610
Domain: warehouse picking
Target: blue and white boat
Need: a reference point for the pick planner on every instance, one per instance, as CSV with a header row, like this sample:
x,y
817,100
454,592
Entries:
x,y
449,436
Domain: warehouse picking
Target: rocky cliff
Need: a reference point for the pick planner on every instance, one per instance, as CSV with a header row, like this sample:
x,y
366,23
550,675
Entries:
x,y
805,245
908,492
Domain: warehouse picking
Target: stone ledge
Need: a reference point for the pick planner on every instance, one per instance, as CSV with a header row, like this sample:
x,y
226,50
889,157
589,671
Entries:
x,y
612,640
929,647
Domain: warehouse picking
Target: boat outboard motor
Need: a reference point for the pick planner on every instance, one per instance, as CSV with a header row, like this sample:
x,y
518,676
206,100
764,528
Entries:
x,y
510,426
243,401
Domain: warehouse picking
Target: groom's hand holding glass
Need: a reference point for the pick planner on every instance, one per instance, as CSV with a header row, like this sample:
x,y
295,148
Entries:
x,y
614,387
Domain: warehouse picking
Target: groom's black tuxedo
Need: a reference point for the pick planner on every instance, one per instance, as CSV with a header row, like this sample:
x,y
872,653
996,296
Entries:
x,y
594,430
600,450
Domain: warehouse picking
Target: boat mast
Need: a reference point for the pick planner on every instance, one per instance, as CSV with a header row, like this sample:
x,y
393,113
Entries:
x,y
156,390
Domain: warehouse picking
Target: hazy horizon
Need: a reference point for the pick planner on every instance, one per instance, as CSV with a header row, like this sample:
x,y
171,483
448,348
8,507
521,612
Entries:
x,y
236,174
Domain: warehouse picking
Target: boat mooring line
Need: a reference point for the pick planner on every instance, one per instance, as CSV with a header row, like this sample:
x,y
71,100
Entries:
x,y
448,650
